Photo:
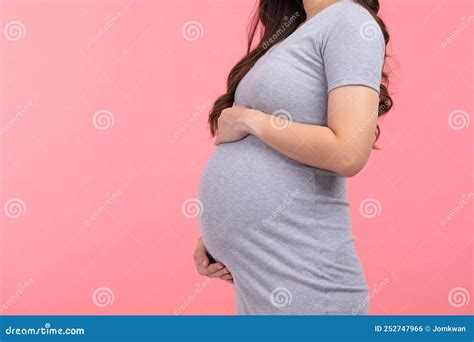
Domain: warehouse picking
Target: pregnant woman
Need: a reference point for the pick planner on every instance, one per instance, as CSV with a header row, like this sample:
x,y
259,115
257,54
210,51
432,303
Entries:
x,y
299,116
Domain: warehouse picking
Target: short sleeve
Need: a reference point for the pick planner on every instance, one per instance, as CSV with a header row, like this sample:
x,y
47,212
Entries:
x,y
353,49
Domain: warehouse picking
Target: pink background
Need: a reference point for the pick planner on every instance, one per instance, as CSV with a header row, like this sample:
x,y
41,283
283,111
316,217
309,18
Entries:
x,y
92,219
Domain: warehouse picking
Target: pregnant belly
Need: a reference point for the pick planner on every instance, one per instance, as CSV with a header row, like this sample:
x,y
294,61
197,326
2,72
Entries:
x,y
253,195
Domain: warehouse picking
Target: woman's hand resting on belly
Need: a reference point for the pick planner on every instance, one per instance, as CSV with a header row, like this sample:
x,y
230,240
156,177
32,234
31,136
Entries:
x,y
232,124
206,266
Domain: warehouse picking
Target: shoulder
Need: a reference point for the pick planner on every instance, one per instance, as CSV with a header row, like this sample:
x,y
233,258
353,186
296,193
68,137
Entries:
x,y
351,17
351,22
349,11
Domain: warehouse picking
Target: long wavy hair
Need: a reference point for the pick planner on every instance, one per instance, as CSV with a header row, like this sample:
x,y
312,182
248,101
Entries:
x,y
269,18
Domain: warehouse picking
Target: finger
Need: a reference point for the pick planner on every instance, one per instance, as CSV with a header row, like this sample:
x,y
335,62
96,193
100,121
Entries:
x,y
202,270
230,281
214,267
201,265
200,256
227,276
201,261
200,250
219,273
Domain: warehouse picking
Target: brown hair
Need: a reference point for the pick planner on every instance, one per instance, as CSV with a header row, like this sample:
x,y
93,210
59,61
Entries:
x,y
277,19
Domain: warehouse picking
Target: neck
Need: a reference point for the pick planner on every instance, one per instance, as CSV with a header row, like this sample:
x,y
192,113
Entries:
x,y
313,7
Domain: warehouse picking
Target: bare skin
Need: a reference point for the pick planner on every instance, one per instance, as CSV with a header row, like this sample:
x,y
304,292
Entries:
x,y
206,268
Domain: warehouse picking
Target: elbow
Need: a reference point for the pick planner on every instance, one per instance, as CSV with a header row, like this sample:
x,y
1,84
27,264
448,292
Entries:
x,y
351,165
349,172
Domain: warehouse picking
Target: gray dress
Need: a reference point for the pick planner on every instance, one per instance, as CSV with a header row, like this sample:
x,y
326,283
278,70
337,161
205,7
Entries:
x,y
283,228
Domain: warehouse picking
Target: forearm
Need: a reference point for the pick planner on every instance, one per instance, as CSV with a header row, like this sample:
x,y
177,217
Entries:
x,y
313,145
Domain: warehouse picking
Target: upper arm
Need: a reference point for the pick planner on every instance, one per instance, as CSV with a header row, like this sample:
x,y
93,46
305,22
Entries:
x,y
353,53
352,116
